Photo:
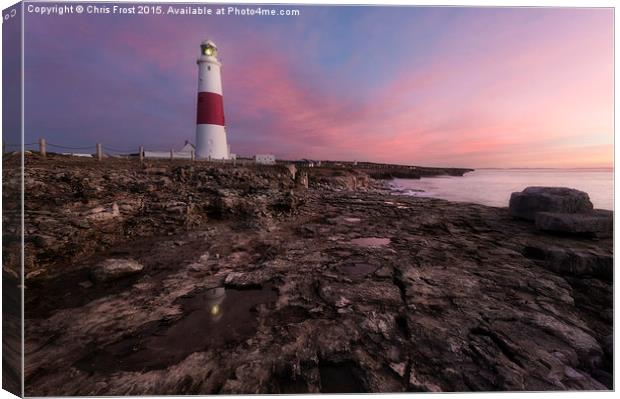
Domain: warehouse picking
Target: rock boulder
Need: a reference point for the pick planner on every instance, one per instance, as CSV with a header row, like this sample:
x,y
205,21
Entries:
x,y
301,179
599,223
111,269
532,200
573,262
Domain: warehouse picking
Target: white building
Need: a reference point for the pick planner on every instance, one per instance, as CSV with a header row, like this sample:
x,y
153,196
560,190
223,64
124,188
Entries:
x,y
183,153
265,159
75,154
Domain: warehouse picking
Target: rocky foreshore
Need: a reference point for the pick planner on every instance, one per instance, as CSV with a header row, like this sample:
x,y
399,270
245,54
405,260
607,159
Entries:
x,y
195,278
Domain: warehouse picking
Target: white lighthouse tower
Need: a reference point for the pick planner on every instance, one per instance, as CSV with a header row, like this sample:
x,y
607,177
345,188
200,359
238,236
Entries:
x,y
210,131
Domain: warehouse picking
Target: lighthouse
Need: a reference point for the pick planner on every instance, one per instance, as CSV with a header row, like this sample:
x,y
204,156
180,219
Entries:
x,y
210,131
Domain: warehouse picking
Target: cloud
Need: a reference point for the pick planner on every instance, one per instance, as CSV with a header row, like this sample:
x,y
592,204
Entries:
x,y
492,88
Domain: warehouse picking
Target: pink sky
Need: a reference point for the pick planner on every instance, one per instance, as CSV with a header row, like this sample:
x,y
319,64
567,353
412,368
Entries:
x,y
426,86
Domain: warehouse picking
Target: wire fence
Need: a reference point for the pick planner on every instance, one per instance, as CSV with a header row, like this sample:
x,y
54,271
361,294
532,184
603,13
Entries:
x,y
42,146
100,151
19,145
116,150
64,147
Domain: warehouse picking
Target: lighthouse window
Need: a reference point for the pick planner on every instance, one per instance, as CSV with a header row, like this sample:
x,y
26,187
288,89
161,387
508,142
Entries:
x,y
209,67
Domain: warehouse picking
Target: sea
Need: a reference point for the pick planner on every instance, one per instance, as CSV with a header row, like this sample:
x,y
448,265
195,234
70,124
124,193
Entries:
x,y
493,186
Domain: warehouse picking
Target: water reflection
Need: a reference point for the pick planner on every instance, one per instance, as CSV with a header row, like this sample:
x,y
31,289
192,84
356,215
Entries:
x,y
213,299
212,318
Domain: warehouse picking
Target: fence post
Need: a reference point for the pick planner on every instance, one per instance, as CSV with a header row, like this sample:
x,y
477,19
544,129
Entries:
x,y
99,152
141,151
193,156
42,149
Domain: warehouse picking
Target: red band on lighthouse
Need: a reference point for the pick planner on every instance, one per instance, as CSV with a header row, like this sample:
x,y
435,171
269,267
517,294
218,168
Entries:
x,y
210,109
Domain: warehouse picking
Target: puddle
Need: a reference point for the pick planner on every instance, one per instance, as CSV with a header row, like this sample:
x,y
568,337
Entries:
x,y
372,242
341,378
352,220
358,269
213,318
